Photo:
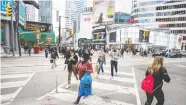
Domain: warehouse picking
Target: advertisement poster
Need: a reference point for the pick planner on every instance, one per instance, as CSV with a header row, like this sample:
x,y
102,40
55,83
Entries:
x,y
143,38
103,11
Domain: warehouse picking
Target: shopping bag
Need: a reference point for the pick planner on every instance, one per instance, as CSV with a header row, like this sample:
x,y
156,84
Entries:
x,y
148,84
96,67
51,61
85,88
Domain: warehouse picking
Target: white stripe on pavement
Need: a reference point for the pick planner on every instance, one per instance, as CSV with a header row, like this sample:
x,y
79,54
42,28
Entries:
x,y
115,78
110,87
179,65
122,73
136,87
12,84
6,97
70,96
14,76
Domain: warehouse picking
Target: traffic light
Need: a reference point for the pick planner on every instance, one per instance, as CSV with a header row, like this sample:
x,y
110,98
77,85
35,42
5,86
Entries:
x,y
8,10
145,32
97,36
70,32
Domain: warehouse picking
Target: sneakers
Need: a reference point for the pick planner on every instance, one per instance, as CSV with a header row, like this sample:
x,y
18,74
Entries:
x,y
67,86
103,73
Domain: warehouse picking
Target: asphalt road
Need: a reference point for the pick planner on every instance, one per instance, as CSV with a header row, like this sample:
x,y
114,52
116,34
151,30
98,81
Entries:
x,y
32,81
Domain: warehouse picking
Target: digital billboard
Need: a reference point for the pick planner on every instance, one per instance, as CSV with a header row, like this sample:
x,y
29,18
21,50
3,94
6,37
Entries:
x,y
103,11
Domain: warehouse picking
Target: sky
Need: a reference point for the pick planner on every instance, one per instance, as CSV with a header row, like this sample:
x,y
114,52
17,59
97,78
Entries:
x,y
120,6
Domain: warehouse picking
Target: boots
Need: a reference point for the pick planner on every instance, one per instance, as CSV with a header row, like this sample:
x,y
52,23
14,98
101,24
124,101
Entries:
x,y
77,101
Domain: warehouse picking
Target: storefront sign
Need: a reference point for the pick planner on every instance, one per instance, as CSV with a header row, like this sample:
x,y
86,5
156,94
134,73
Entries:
x,y
30,26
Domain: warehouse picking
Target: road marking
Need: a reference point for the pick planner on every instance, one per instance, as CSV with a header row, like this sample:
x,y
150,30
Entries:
x,y
12,84
53,91
137,92
110,87
15,76
11,97
128,80
179,65
92,100
122,73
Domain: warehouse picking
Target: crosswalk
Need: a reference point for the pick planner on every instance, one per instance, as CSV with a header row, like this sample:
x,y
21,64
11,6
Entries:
x,y
121,90
12,84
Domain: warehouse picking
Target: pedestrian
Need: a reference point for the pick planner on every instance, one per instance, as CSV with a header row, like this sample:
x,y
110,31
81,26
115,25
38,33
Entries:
x,y
12,50
84,66
25,48
114,62
54,56
72,67
101,61
159,73
67,57
5,48
29,50
122,52
46,52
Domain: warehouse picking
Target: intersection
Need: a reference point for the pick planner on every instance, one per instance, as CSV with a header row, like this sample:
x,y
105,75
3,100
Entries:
x,y
32,81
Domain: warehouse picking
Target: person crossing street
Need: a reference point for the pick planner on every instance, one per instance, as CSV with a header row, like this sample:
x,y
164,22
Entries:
x,y
54,56
114,62
101,61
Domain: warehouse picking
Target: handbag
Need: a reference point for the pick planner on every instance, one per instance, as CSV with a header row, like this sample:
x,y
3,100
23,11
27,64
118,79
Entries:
x,y
51,61
148,84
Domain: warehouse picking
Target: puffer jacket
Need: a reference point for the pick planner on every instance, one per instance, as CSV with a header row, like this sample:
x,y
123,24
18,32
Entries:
x,y
159,76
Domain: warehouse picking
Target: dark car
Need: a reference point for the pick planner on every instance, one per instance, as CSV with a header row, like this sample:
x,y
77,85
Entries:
x,y
174,55
163,53
157,53
183,53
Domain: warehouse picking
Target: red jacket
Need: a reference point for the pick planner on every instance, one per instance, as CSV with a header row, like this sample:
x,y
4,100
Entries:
x,y
83,67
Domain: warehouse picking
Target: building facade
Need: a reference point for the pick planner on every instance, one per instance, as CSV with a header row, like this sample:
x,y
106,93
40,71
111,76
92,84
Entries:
x,y
161,15
73,8
45,11
31,13
121,18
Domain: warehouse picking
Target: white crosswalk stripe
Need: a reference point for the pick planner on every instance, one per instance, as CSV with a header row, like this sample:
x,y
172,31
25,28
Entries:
x,y
98,85
9,81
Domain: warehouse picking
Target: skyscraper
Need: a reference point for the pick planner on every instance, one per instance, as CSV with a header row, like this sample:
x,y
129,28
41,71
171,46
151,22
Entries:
x,y
45,11
73,8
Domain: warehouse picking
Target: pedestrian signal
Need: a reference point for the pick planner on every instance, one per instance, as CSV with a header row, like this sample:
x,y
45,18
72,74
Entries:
x,y
8,10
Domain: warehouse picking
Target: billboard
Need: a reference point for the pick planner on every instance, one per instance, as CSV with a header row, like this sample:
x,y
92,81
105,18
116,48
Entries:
x,y
142,37
112,37
103,11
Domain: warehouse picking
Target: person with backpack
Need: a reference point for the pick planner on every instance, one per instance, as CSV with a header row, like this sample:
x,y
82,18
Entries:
x,y
84,68
54,55
72,67
155,74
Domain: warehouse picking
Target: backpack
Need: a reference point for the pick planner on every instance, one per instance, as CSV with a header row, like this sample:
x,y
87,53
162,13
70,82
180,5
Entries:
x,y
53,55
148,84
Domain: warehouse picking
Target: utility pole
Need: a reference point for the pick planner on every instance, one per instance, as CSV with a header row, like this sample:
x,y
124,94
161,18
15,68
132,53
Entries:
x,y
59,32
12,34
17,24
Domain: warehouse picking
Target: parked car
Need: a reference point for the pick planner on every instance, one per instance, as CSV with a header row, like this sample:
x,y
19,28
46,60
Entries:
x,y
174,55
157,53
183,53
163,53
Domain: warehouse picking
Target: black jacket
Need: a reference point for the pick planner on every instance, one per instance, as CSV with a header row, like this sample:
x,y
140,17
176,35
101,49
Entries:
x,y
159,77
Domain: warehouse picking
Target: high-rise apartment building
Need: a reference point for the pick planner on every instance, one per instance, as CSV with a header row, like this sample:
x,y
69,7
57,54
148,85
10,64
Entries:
x,y
31,13
45,11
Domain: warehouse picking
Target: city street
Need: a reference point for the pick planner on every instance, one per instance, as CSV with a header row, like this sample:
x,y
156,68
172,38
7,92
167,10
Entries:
x,y
32,81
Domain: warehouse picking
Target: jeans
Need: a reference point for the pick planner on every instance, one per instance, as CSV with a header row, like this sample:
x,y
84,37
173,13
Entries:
x,y
46,55
73,69
159,95
114,64
54,62
100,66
